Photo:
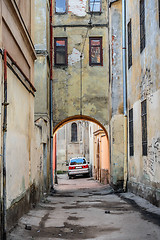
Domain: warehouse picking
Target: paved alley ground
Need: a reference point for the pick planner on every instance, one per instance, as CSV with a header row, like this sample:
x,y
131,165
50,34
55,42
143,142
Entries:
x,y
81,208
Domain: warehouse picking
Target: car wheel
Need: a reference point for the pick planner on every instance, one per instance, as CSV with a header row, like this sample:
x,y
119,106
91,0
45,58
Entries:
x,y
69,177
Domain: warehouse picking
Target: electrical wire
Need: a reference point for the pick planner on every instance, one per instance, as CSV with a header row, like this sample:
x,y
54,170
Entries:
x,y
81,66
90,23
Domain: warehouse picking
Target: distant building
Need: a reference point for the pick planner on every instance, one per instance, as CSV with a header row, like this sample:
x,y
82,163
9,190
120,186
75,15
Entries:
x,y
72,141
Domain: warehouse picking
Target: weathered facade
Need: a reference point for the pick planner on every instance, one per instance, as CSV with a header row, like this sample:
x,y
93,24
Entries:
x,y
78,77
72,141
116,93
143,95
23,143
143,41
42,80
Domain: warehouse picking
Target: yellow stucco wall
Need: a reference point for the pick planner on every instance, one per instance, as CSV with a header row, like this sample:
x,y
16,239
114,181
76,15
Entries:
x,y
94,78
144,84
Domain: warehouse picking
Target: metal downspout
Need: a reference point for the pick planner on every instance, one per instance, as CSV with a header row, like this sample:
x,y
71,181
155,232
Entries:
x,y
51,93
4,222
124,93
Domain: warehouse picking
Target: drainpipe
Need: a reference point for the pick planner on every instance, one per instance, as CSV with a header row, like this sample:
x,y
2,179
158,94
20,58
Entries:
x,y
51,94
124,94
55,158
4,222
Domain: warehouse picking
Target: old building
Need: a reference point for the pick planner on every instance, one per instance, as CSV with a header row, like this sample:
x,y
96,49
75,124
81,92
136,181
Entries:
x,y
72,141
81,63
143,94
42,80
100,154
143,56
24,144
116,94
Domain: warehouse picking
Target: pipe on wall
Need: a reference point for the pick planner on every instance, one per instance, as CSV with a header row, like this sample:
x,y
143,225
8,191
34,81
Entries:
x,y
4,222
124,64
51,94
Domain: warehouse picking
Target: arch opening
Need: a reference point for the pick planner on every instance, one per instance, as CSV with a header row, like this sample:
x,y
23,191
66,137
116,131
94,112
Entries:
x,y
81,136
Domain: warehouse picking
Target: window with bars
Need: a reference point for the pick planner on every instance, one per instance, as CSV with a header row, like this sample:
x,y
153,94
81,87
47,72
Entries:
x,y
95,5
60,51
129,44
144,127
95,51
60,6
131,139
142,25
74,132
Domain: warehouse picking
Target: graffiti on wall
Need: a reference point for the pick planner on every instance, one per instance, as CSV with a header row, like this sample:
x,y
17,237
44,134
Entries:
x,y
153,159
146,86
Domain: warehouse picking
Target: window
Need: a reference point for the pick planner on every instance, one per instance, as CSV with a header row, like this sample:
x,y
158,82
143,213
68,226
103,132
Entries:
x,y
142,25
95,51
129,44
60,6
95,5
131,141
144,127
60,51
74,132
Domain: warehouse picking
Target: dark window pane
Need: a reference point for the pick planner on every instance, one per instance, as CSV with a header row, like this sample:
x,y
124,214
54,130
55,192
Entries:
x,y
60,58
144,127
61,51
60,6
142,25
74,132
131,141
129,44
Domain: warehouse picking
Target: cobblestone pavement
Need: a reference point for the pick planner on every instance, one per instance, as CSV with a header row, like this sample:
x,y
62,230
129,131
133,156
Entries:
x,y
81,208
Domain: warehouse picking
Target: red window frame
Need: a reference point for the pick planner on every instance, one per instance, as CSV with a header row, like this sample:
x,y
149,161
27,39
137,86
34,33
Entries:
x,y
101,52
55,51
90,9
65,8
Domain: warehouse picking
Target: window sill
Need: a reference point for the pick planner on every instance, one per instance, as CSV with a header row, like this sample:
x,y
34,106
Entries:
x,y
96,13
60,13
61,66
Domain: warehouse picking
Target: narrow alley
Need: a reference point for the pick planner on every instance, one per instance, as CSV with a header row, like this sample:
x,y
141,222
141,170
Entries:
x,y
82,208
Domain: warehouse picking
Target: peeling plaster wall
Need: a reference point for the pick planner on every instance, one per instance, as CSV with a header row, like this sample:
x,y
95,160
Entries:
x,y
116,94
77,7
42,82
144,83
67,79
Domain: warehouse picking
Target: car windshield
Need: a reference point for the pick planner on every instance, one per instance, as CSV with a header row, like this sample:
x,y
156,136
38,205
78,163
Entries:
x,y
77,161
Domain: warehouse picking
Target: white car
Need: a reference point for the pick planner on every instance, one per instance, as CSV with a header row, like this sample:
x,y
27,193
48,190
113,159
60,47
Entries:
x,y
78,166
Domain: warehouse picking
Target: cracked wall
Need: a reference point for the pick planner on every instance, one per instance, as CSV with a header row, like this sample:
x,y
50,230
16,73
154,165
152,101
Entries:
x,y
67,80
144,84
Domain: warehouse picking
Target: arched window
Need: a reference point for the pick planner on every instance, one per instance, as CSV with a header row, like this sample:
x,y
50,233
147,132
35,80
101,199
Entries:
x,y
74,132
